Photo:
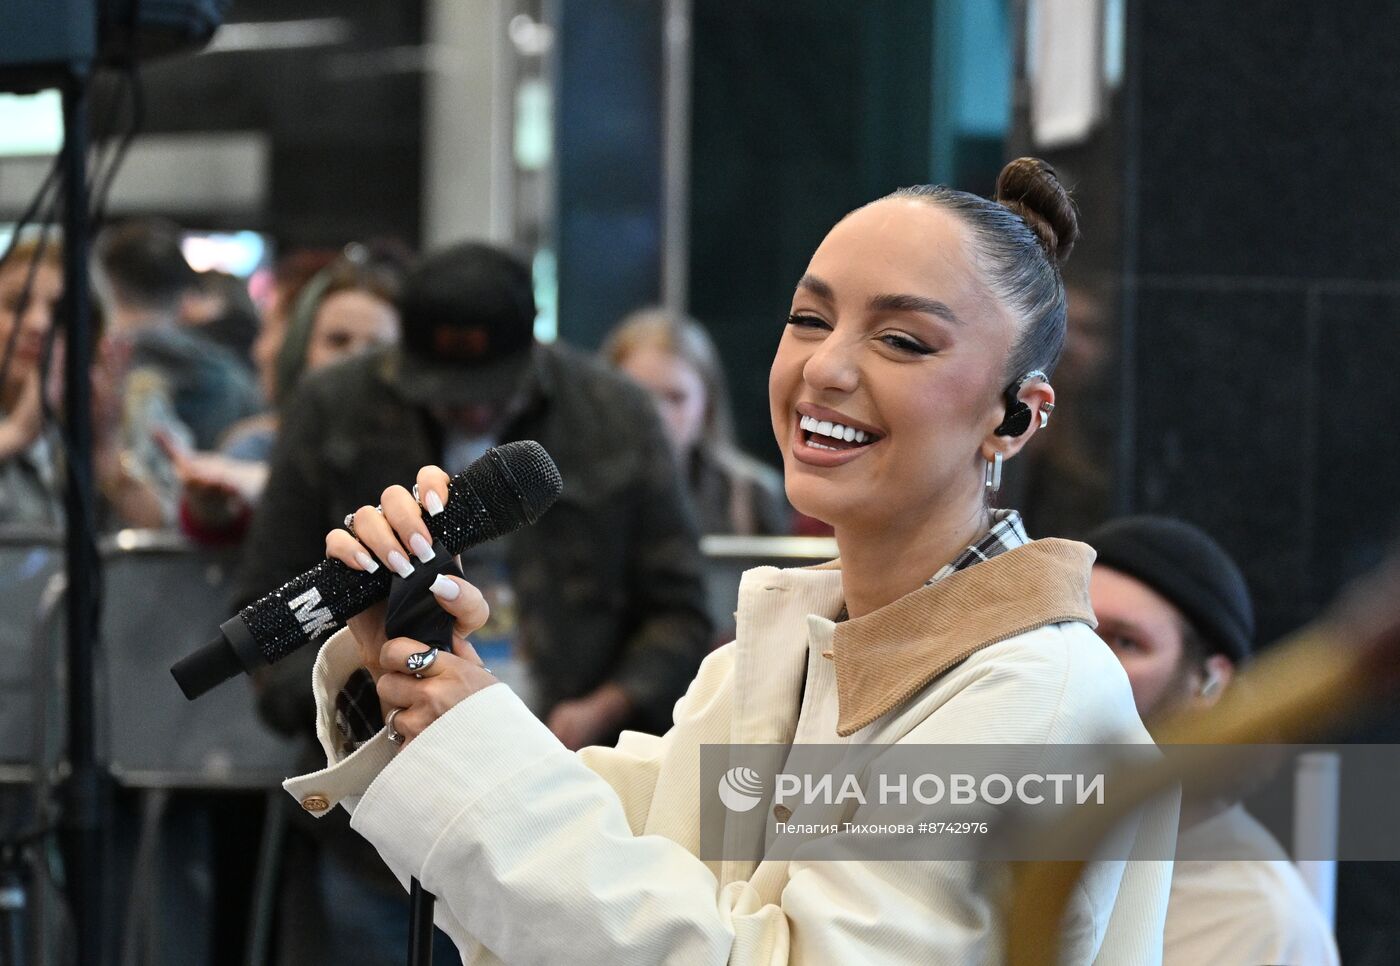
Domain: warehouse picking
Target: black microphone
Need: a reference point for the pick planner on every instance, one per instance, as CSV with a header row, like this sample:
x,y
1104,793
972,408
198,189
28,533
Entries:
x,y
510,486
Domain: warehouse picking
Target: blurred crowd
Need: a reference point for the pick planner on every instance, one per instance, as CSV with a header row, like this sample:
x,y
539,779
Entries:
x,y
193,378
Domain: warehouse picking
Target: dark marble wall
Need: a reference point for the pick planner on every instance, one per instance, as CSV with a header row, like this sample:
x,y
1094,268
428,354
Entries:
x,y
1266,284
1239,209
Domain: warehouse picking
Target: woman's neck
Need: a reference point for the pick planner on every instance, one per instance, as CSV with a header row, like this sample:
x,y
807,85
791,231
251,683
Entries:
x,y
879,566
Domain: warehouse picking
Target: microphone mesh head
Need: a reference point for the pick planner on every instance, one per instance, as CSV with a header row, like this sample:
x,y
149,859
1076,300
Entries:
x,y
534,477
512,485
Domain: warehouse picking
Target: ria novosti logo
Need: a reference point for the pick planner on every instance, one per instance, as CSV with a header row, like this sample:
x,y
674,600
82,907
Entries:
x,y
740,789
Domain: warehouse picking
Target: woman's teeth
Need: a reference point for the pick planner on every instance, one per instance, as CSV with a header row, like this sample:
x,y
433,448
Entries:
x,y
822,427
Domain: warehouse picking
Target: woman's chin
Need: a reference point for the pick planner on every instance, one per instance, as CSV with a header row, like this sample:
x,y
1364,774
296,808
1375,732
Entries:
x,y
823,500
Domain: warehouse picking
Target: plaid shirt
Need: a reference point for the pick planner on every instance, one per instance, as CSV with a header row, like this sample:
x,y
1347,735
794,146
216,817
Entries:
x,y
1007,533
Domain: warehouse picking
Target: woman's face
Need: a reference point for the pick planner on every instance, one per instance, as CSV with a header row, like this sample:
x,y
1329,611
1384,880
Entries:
x,y
676,387
348,323
894,337
36,321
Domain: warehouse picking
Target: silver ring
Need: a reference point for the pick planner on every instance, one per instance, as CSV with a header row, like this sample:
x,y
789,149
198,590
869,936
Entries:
x,y
393,736
421,661
415,494
485,668
350,524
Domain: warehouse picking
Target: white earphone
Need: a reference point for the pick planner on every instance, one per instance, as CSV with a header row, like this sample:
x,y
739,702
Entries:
x,y
1211,684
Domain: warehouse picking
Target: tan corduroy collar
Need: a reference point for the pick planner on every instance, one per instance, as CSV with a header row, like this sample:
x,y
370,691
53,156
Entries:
x,y
886,657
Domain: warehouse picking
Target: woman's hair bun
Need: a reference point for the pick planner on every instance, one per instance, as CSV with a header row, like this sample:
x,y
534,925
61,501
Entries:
x,y
1031,189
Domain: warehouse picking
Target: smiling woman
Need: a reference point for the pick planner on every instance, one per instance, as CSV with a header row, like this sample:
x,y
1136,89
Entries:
x,y
915,360
923,321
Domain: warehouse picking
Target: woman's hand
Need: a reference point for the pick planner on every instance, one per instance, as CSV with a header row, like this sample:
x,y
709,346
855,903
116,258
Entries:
x,y
387,535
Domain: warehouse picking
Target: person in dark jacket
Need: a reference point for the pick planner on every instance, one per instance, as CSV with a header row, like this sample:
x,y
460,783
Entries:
x,y
598,610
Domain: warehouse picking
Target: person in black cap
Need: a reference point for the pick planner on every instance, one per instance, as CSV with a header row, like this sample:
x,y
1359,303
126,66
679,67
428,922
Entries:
x,y
1176,610
599,617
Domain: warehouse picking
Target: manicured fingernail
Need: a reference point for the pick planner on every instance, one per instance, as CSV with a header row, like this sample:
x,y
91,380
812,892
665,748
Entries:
x,y
399,564
445,588
366,562
421,548
433,502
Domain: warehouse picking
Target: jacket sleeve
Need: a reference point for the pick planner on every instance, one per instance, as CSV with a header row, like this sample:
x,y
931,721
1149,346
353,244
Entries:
x,y
534,855
666,581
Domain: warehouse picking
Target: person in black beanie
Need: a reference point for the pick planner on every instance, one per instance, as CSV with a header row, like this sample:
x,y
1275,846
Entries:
x,y
1174,607
1176,611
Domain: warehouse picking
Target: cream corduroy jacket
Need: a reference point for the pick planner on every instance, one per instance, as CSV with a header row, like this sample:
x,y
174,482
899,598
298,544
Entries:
x,y
541,855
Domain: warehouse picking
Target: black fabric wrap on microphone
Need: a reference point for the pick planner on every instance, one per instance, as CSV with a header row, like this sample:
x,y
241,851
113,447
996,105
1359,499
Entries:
x,y
413,611
510,486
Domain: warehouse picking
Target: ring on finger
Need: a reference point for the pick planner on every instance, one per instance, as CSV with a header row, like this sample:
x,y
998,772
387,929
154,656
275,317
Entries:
x,y
394,737
421,661
350,521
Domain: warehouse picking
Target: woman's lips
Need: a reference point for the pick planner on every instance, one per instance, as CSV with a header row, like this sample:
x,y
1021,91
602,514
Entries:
x,y
805,452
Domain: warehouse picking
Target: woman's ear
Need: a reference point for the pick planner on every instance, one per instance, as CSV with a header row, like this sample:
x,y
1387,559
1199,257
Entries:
x,y
1036,399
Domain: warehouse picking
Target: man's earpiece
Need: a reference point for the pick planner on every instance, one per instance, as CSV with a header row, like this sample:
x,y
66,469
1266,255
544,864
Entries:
x,y
1211,684
1018,414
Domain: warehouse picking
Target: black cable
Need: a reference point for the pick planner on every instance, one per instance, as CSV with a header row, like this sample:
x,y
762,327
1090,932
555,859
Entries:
x,y
29,213
102,182
50,418
107,116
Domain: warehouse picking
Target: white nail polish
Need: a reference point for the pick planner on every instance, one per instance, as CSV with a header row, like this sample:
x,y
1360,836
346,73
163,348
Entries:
x,y
433,503
399,564
366,562
445,588
422,549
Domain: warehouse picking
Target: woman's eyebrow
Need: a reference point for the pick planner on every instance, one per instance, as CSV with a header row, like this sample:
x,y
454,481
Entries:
x,y
914,303
817,287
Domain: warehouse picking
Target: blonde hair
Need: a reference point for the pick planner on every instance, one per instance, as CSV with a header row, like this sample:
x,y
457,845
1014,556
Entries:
x,y
659,328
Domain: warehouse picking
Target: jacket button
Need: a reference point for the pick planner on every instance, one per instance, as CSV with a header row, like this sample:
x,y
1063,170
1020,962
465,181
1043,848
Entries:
x,y
782,813
315,803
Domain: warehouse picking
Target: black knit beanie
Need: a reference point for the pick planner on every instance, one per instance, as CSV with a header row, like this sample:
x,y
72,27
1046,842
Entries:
x,y
1188,568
